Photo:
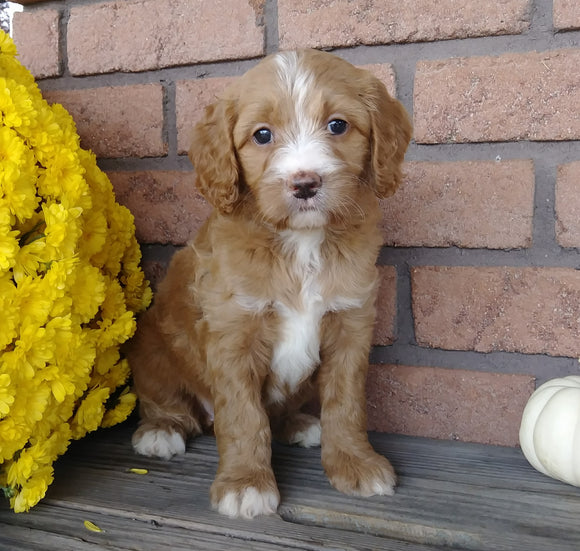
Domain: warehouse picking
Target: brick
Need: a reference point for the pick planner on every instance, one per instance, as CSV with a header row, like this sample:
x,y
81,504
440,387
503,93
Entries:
x,y
120,121
528,310
474,204
140,35
385,73
385,326
566,14
529,96
191,98
568,205
166,205
36,35
450,404
322,24
487,89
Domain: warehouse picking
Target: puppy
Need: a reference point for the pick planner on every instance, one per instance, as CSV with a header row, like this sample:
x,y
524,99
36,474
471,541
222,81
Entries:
x,y
273,301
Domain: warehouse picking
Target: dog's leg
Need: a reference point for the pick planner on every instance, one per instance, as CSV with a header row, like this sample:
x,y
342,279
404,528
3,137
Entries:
x,y
244,485
350,462
170,413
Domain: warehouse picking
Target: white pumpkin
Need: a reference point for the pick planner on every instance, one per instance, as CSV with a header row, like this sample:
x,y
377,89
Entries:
x,y
550,429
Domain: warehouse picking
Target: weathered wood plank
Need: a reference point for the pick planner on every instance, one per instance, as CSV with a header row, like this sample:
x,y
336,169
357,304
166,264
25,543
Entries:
x,y
167,508
490,466
56,527
450,494
18,538
183,510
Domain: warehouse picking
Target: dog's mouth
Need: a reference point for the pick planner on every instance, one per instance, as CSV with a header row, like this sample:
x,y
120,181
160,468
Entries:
x,y
307,205
313,202
307,213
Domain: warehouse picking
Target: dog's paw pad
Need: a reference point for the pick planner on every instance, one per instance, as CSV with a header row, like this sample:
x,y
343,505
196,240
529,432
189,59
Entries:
x,y
248,503
159,443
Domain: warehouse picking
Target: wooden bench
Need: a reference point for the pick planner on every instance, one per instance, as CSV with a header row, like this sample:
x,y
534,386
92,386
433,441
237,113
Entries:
x,y
451,495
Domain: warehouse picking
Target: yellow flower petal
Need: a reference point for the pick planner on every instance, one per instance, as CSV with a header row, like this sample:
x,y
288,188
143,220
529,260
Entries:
x,y
92,527
138,471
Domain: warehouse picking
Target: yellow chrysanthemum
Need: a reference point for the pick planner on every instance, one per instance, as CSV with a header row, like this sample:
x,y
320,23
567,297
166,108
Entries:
x,y
8,239
86,305
16,105
8,250
70,285
33,491
6,395
114,371
34,299
123,409
28,260
10,313
90,412
63,179
94,234
34,407
70,139
7,46
45,136
62,228
115,333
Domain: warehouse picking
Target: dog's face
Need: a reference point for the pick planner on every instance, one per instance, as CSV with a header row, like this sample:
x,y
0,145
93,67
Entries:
x,y
301,132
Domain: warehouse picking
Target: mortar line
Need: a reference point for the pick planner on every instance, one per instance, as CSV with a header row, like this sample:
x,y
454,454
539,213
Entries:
x,y
271,39
405,323
500,362
170,118
64,15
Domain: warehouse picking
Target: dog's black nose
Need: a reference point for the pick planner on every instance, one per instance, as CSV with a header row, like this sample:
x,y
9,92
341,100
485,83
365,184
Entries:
x,y
305,185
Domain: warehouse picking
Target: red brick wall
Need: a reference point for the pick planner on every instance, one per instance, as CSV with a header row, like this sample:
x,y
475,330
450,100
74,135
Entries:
x,y
480,294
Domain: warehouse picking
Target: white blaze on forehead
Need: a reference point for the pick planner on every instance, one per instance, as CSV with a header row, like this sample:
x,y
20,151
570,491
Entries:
x,y
297,80
305,146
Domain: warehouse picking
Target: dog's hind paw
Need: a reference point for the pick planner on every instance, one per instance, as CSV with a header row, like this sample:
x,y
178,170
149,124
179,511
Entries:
x,y
309,436
158,443
299,429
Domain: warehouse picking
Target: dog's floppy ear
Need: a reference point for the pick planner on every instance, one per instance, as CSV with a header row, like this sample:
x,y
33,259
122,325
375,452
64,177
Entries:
x,y
391,132
213,156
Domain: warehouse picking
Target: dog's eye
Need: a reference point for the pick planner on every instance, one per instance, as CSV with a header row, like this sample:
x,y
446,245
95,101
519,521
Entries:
x,y
337,126
263,136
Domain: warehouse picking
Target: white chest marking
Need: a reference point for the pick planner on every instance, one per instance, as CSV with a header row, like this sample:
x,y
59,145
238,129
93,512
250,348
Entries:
x,y
297,353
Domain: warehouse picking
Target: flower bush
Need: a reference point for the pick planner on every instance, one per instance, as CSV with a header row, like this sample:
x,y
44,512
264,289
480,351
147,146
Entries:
x,y
70,285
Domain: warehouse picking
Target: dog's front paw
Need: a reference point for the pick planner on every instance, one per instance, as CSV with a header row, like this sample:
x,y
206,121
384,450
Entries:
x,y
158,443
361,476
245,497
248,503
